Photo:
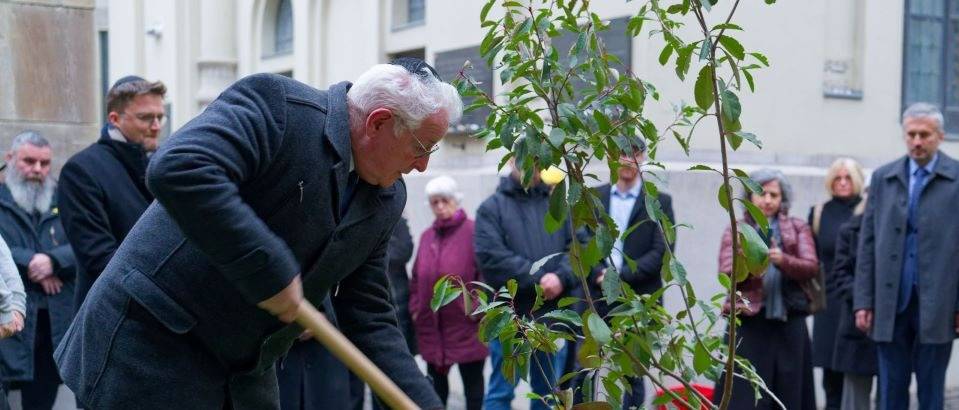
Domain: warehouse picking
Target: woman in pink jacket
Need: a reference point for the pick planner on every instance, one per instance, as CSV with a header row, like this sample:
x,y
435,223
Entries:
x,y
449,336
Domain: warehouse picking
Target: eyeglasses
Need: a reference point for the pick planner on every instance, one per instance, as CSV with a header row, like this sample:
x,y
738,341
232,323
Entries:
x,y
426,151
149,118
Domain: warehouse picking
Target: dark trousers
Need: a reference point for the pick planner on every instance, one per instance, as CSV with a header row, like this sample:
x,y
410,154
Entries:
x,y
904,355
41,392
781,353
637,396
472,375
832,382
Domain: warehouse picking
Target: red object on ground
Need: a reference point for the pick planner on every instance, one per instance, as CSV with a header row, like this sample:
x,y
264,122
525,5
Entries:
x,y
681,391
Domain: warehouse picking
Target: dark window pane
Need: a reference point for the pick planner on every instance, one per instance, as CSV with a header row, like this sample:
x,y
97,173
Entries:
x,y
284,28
927,7
416,11
924,58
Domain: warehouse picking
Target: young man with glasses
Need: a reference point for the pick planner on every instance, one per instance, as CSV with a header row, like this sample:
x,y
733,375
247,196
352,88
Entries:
x,y
102,188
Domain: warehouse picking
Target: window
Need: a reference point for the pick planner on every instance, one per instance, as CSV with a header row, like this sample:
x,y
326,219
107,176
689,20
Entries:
x,y
931,61
283,42
416,11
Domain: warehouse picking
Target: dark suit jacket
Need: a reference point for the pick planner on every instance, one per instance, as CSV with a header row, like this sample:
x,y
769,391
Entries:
x,y
645,245
247,197
882,242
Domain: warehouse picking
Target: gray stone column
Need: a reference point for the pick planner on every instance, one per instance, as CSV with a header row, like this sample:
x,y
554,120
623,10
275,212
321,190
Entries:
x,y
216,64
48,78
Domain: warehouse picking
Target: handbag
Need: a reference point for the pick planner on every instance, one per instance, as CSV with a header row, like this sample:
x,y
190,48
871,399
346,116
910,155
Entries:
x,y
815,287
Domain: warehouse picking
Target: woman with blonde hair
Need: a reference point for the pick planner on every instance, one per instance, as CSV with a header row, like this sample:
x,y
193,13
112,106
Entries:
x,y
844,183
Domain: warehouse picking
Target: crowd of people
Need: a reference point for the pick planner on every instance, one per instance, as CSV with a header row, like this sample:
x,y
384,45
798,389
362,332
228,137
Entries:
x,y
873,273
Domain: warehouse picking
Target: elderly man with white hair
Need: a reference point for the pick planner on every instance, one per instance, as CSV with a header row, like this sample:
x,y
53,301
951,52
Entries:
x,y
447,337
907,273
275,193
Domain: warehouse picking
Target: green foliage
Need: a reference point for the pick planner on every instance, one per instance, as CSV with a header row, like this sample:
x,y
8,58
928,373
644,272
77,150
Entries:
x,y
569,107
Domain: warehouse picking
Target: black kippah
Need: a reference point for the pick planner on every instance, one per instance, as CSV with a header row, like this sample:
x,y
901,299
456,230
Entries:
x,y
127,79
415,66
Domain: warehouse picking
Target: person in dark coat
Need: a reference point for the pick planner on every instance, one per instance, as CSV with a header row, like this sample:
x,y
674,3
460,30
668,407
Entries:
x,y
844,181
311,378
449,336
510,238
102,189
398,253
645,245
275,181
30,224
907,269
854,354
773,334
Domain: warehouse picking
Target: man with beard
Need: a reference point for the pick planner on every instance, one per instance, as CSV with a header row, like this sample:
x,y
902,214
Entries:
x,y
30,224
102,188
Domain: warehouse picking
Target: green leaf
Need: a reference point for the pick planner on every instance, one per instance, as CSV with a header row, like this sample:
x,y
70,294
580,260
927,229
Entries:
x,y
724,198
611,285
601,121
704,88
486,9
598,329
701,167
754,248
749,80
665,54
750,137
735,141
566,301
683,58
511,287
675,9
557,136
757,215
727,26
538,302
731,107
724,280
536,266
733,47
679,272
762,58
444,292
565,315
558,208
701,359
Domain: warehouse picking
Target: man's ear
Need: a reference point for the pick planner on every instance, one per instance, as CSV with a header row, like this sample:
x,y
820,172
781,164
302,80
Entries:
x,y
378,120
114,118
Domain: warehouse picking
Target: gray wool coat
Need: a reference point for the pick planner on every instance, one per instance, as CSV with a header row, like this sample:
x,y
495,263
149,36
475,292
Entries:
x,y
881,246
247,197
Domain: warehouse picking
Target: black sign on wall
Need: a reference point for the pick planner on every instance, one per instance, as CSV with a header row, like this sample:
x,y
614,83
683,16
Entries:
x,y
448,64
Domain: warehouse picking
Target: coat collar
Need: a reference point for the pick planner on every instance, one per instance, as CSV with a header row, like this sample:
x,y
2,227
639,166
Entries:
x,y
946,167
6,201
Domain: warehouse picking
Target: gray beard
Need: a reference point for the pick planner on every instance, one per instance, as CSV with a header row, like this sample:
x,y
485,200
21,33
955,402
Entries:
x,y
30,196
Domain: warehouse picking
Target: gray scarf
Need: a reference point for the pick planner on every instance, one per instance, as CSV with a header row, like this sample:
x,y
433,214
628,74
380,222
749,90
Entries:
x,y
773,280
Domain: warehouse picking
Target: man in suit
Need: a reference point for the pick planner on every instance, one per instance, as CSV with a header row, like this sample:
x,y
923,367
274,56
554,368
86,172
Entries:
x,y
645,245
907,274
102,188
276,192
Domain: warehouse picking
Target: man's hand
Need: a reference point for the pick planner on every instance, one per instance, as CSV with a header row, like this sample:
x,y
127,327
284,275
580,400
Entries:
x,y
552,286
599,278
51,285
864,320
40,267
285,304
775,256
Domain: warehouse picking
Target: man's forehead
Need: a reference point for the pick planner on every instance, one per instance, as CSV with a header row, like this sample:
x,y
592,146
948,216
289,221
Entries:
x,y
34,151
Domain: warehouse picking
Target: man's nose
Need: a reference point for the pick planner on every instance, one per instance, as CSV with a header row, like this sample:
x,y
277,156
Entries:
x,y
421,164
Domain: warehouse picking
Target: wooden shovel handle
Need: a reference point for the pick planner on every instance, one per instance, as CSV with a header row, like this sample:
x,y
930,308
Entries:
x,y
327,334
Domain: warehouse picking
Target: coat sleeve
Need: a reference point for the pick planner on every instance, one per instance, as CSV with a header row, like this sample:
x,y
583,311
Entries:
x,y
21,256
365,314
401,243
196,176
864,289
804,264
64,260
496,260
85,220
840,283
12,295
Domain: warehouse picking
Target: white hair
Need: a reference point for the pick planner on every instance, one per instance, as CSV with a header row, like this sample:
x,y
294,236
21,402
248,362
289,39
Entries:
x,y
31,196
28,137
411,97
443,186
924,110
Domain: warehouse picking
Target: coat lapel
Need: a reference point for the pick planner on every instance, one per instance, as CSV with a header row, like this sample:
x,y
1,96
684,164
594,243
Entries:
x,y
337,132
